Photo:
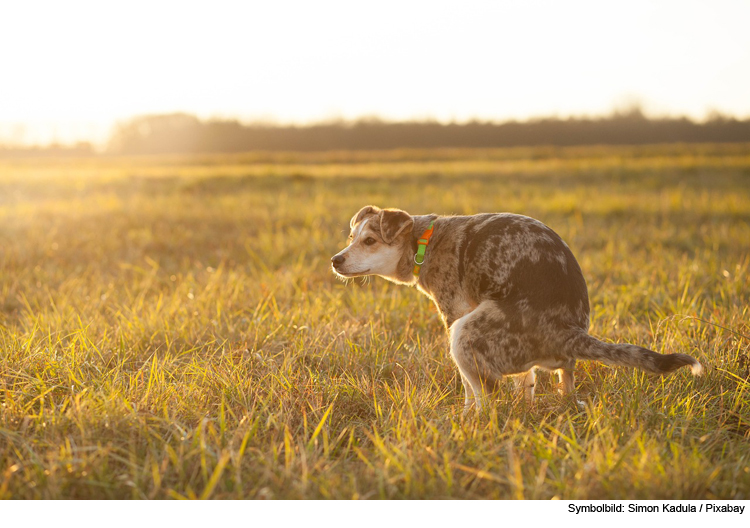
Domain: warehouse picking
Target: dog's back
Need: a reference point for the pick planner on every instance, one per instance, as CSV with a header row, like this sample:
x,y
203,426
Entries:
x,y
514,260
533,297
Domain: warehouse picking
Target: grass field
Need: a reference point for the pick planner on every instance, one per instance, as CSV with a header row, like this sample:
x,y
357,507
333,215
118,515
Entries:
x,y
171,328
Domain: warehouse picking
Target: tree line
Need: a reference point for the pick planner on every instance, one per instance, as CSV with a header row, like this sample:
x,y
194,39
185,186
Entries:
x,y
180,133
184,133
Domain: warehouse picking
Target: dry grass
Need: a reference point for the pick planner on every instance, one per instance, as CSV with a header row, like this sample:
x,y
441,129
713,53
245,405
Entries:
x,y
170,328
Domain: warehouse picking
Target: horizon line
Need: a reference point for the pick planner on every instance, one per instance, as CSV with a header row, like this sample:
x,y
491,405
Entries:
x,y
631,110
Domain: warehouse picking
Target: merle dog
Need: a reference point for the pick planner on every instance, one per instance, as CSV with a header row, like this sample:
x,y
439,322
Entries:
x,y
508,289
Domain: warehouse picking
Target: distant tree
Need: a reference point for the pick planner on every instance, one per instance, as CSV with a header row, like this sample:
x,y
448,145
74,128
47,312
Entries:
x,y
157,134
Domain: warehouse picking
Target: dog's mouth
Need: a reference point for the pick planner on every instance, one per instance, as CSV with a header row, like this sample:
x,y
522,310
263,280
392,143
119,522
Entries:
x,y
349,274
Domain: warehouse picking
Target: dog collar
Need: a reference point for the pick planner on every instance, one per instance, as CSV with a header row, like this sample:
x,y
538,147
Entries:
x,y
421,248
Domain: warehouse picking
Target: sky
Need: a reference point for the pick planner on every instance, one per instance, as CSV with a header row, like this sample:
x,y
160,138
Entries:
x,y
69,70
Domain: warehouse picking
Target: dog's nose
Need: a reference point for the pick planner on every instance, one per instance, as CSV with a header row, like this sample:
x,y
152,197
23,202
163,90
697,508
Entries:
x,y
337,260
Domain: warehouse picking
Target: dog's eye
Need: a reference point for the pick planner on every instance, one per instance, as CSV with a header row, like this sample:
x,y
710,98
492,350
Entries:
x,y
369,241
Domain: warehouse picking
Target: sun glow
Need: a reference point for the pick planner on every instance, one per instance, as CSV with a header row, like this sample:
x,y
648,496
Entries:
x,y
71,69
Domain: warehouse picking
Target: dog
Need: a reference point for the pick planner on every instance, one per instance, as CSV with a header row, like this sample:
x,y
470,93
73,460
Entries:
x,y
509,291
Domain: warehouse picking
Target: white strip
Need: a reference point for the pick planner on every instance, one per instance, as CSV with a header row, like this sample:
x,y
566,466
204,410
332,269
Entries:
x,y
359,229
376,514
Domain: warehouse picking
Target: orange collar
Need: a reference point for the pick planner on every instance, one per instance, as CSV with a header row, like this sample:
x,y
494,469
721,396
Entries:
x,y
421,248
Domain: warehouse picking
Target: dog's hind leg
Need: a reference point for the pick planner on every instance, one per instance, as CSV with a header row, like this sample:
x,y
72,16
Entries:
x,y
466,364
473,387
468,393
528,383
567,382
567,379
483,352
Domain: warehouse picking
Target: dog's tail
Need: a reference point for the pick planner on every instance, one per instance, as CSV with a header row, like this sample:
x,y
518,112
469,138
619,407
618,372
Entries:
x,y
583,346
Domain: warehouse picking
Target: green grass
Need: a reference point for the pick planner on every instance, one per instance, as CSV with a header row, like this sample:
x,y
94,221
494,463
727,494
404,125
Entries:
x,y
170,328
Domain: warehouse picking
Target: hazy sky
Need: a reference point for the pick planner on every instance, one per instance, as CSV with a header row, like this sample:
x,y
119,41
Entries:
x,y
69,69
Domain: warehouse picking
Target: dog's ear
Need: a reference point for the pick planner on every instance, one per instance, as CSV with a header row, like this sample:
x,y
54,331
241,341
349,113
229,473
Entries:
x,y
357,218
394,222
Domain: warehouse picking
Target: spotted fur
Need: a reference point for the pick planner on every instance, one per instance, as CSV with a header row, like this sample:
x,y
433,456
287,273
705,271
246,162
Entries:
x,y
509,290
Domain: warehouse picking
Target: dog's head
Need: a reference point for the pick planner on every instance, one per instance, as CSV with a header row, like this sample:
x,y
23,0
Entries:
x,y
377,241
